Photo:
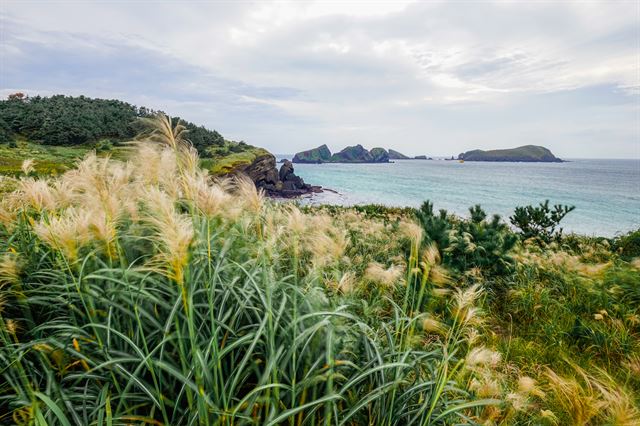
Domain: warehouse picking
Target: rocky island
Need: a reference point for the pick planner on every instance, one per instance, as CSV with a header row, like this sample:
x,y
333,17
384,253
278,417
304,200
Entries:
x,y
395,155
351,154
527,153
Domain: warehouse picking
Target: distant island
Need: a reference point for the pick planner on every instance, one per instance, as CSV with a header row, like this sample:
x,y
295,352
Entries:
x,y
527,153
351,154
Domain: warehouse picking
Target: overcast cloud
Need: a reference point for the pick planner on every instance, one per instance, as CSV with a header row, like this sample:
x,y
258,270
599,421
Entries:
x,y
420,77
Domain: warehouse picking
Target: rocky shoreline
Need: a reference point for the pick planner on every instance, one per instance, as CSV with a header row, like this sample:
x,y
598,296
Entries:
x,y
282,183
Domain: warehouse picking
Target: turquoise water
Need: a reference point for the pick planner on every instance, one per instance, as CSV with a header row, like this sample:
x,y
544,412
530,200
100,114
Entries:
x,y
606,193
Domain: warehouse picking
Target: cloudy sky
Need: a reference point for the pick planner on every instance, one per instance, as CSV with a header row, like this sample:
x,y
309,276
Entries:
x,y
421,77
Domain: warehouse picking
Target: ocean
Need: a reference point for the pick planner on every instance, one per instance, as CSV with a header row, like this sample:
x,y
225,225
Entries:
x,y
606,193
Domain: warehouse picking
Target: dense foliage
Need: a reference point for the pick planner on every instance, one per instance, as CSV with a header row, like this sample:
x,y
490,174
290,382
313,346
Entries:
x,y
628,245
67,120
468,244
540,222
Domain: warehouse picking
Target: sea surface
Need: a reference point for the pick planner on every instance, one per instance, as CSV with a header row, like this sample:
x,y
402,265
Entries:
x,y
606,193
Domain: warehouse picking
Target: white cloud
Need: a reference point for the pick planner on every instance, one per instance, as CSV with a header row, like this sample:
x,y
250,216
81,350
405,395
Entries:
x,y
362,71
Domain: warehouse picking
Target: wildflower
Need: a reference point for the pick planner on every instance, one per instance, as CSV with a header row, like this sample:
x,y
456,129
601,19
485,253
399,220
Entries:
x,y
27,166
486,387
252,199
296,221
174,233
9,269
164,132
431,255
7,215
411,230
528,386
377,273
518,401
37,194
347,282
103,228
210,199
327,248
465,298
481,355
432,325
66,233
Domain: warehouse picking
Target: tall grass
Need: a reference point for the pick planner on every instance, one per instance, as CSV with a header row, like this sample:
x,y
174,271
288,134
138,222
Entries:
x,y
144,292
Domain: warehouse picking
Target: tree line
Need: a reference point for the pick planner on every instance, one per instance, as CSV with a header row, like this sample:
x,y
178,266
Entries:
x,y
69,120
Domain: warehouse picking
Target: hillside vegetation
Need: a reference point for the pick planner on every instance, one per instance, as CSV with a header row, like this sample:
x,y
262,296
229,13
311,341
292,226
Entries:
x,y
58,130
143,292
527,153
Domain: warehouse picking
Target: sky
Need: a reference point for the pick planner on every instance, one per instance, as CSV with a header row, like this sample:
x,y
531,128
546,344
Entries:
x,y
421,77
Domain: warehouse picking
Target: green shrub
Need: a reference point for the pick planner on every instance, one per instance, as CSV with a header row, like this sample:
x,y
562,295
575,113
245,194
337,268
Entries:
x,y
540,222
628,246
473,243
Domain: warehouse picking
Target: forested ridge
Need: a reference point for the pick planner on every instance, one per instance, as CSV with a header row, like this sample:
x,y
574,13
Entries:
x,y
69,120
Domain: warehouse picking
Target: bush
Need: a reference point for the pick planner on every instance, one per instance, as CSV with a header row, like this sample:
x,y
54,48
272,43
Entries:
x,y
104,146
628,246
540,222
468,244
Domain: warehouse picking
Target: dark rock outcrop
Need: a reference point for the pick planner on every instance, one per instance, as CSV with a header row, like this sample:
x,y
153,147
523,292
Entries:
x,y
420,157
283,183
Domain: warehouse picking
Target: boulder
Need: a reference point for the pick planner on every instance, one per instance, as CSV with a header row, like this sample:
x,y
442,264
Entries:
x,y
285,170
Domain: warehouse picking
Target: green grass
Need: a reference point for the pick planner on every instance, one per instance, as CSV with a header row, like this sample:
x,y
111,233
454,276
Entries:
x,y
175,308
49,159
53,160
141,293
224,162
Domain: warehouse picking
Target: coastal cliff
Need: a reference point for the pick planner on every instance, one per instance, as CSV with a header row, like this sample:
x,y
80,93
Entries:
x,y
262,170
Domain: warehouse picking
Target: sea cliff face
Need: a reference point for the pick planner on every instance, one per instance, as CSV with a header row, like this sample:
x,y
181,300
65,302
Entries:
x,y
262,170
527,153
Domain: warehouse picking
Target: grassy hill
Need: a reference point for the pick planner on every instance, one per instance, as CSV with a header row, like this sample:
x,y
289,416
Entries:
x,y
527,153
57,131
